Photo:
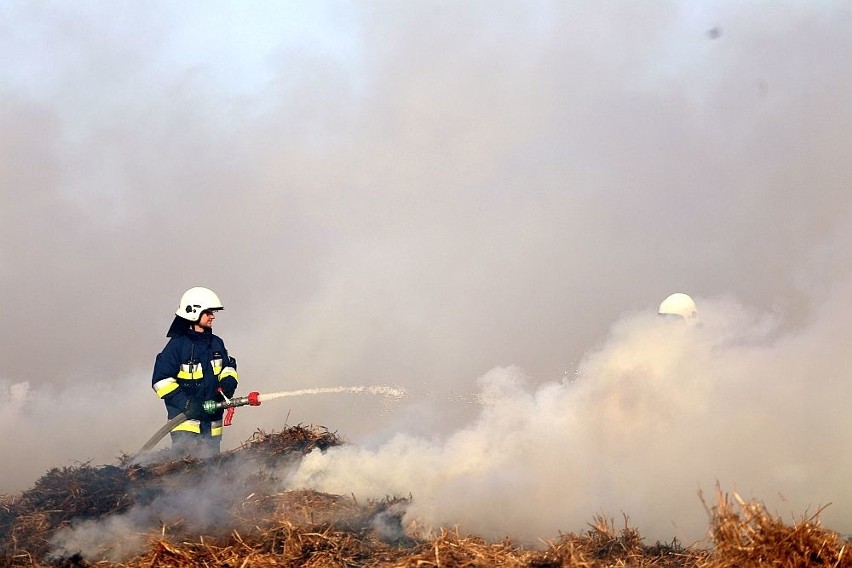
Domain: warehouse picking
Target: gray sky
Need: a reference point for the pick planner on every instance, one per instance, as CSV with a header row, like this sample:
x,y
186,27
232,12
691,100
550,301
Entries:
x,y
429,195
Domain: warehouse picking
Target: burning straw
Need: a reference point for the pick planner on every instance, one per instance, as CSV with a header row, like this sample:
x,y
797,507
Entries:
x,y
267,526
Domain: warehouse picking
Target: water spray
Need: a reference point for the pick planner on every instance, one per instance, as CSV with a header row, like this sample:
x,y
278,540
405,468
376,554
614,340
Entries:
x,y
391,392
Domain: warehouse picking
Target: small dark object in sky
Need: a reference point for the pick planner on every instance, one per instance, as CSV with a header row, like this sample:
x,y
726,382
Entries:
x,y
715,32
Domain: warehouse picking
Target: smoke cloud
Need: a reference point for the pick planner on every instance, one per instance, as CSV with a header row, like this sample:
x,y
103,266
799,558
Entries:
x,y
174,504
481,204
653,420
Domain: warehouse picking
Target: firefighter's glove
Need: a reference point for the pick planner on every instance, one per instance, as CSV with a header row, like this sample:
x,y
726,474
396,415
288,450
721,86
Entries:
x,y
194,409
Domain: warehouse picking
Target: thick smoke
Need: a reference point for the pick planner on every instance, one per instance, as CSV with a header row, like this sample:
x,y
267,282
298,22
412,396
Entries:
x,y
174,505
421,194
649,425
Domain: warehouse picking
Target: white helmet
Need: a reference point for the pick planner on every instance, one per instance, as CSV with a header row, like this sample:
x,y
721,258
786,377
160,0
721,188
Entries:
x,y
679,304
196,300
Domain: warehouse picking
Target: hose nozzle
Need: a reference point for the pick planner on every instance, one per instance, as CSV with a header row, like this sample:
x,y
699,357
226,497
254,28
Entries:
x,y
211,406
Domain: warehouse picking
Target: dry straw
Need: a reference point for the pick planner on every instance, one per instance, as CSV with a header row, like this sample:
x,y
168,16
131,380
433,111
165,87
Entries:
x,y
301,528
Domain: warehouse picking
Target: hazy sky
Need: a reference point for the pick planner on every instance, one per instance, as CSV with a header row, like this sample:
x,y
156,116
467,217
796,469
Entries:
x,y
473,201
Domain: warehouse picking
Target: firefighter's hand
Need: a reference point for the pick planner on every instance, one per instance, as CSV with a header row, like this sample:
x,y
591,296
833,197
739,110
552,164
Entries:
x,y
194,409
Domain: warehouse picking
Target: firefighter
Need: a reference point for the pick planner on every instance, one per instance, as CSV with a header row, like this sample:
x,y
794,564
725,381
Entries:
x,y
679,306
193,367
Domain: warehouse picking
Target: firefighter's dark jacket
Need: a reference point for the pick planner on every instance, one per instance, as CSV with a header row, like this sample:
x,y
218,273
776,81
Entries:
x,y
193,365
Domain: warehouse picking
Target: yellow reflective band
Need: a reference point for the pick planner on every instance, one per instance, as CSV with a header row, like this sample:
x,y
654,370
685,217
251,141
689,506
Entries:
x,y
217,366
164,387
216,428
193,426
229,372
190,372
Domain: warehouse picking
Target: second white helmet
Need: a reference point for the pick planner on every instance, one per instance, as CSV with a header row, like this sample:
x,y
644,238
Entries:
x,y
679,304
196,300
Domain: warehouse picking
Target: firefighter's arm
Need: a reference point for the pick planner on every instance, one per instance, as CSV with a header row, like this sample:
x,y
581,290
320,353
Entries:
x,y
229,378
164,380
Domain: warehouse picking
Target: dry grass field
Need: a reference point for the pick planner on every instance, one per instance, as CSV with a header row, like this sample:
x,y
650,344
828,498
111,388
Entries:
x,y
113,516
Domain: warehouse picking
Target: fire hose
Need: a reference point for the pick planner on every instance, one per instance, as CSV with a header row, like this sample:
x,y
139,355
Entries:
x,y
210,407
